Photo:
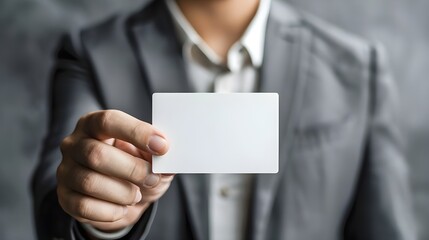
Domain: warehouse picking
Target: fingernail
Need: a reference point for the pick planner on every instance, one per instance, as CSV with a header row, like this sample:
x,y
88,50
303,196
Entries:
x,y
151,180
157,144
138,197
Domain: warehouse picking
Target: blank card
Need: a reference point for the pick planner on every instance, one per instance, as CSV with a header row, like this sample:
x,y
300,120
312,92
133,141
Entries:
x,y
217,132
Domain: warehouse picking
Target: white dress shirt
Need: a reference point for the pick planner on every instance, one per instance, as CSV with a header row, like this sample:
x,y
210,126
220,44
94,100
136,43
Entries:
x,y
229,193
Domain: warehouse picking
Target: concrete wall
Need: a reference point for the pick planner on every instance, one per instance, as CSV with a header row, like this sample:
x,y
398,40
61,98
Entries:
x,y
29,30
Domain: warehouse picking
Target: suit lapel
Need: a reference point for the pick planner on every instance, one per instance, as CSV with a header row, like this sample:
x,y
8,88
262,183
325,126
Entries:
x,y
117,73
160,55
195,188
282,70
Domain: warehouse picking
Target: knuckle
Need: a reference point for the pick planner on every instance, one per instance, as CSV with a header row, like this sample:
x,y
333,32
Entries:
x,y
63,200
62,203
60,195
81,122
141,130
66,143
104,118
83,209
94,154
60,171
137,171
89,183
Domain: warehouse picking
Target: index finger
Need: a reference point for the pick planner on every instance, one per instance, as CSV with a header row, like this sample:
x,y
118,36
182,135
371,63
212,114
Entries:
x,y
107,124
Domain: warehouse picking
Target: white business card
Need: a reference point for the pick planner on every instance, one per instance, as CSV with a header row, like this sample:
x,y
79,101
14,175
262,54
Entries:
x,y
217,132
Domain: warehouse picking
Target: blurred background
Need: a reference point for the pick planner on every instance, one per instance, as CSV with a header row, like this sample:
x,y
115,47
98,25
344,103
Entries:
x,y
29,31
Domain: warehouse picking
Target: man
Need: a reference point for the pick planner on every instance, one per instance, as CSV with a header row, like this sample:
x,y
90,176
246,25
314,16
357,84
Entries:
x,y
342,175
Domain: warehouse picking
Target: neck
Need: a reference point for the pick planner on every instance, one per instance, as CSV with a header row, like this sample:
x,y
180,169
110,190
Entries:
x,y
220,23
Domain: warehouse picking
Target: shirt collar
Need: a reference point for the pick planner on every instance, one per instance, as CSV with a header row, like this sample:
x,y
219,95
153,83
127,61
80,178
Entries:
x,y
253,38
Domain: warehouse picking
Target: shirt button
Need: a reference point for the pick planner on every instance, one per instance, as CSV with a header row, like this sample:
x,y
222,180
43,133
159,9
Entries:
x,y
224,192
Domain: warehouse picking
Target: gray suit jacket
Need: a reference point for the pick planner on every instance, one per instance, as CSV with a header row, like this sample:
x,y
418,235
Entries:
x,y
342,174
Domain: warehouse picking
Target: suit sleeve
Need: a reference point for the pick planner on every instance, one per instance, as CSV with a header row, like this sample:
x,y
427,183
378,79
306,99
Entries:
x,y
383,204
73,94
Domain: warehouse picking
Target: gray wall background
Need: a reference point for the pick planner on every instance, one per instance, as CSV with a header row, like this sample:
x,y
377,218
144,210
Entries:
x,y
29,30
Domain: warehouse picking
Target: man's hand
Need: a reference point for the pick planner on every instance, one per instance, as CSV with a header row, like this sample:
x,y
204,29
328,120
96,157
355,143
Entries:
x,y
105,176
